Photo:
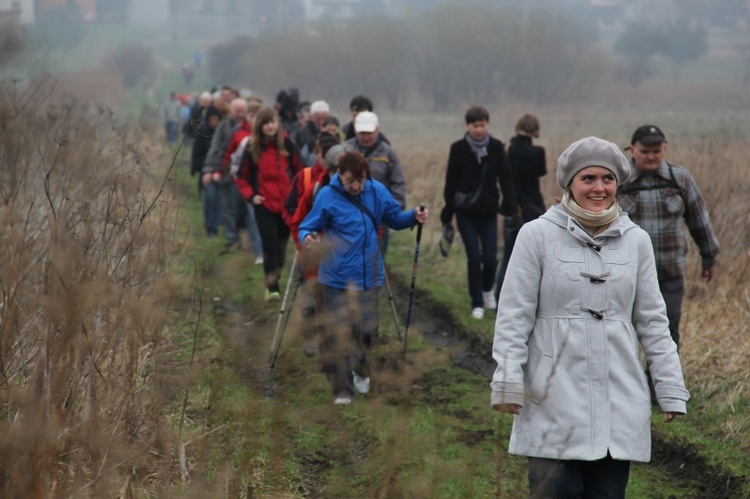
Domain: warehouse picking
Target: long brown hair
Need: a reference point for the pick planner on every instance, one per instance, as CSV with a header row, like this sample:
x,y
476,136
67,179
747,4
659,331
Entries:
x,y
266,115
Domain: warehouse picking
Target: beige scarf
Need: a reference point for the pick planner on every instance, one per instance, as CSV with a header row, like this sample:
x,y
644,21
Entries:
x,y
590,219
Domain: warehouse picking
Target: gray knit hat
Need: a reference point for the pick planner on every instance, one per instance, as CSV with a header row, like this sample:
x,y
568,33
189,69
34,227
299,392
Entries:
x,y
591,151
333,155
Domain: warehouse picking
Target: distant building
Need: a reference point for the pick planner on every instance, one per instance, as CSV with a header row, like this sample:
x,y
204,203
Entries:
x,y
10,23
151,13
23,10
88,7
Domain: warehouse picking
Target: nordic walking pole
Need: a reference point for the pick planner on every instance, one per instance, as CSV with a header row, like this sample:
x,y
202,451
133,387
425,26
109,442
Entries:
x,y
286,318
390,299
413,280
275,345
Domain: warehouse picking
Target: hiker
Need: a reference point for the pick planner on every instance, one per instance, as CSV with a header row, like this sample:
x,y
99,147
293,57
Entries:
x,y
358,104
476,165
215,171
287,102
349,210
305,187
528,164
197,115
201,144
580,297
244,213
170,115
265,180
308,134
385,167
658,197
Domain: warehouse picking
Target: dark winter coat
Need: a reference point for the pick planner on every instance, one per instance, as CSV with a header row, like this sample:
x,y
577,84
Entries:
x,y
464,174
528,164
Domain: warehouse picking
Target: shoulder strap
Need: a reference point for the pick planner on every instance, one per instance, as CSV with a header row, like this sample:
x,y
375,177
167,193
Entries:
x,y
306,177
356,202
678,186
672,183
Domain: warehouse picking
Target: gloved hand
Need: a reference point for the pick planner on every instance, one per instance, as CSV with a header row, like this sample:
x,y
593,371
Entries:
x,y
446,240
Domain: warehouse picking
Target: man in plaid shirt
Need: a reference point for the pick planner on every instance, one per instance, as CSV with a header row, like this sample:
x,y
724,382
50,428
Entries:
x,y
658,197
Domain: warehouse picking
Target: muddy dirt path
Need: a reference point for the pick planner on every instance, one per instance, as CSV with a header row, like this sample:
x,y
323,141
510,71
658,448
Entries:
x,y
398,381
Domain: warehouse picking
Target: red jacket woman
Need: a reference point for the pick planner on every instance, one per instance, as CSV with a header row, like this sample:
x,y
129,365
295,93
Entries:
x,y
265,179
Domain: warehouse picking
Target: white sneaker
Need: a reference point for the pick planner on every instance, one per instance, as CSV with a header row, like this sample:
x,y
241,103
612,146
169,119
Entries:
x,y
477,313
361,384
342,400
259,260
489,300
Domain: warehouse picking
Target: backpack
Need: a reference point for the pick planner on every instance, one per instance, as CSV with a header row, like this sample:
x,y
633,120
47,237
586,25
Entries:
x,y
235,160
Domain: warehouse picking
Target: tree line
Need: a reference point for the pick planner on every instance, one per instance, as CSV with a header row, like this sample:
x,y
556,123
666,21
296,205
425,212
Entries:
x,y
440,58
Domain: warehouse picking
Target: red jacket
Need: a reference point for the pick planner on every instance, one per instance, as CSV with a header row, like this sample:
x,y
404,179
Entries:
x,y
271,177
243,130
301,197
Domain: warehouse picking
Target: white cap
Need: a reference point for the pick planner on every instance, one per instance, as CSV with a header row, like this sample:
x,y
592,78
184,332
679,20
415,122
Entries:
x,y
366,121
319,106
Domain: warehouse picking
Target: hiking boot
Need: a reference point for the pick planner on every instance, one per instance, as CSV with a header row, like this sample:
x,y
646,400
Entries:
x,y
342,399
272,295
477,313
361,383
489,300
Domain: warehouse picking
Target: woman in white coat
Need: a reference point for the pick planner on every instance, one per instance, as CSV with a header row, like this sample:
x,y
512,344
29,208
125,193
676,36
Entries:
x,y
580,299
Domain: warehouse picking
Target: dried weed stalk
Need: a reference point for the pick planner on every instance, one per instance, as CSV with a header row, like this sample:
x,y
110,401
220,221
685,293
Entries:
x,y
86,339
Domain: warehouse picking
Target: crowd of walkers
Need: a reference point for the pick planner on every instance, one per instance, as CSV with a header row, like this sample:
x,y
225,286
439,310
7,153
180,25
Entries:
x,y
290,169
582,287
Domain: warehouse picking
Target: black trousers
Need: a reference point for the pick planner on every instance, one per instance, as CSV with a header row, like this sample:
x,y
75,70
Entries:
x,y
274,236
673,290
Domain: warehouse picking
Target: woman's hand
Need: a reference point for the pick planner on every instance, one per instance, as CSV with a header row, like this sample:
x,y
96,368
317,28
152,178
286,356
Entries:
x,y
421,216
509,409
670,416
310,239
257,199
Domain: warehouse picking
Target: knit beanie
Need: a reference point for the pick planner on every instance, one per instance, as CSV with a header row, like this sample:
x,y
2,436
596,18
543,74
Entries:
x,y
591,151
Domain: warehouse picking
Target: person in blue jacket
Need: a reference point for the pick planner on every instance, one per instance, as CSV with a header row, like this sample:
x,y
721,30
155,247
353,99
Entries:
x,y
343,225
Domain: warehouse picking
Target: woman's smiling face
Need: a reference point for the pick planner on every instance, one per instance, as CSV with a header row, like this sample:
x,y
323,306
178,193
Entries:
x,y
594,188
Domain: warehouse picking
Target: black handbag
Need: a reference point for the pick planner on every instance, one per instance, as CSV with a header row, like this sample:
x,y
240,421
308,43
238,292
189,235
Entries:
x,y
466,200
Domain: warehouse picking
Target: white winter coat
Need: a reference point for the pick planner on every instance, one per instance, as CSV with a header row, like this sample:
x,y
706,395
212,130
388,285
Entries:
x,y
572,313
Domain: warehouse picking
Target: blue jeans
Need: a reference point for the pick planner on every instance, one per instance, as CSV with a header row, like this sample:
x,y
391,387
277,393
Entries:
x,y
170,130
351,325
211,209
251,225
511,226
601,479
228,211
479,234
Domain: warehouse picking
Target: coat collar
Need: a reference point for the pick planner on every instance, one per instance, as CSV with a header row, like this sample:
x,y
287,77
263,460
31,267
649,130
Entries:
x,y
559,216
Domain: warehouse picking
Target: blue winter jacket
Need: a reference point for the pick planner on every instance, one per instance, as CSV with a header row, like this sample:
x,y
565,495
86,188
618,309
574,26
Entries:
x,y
351,255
